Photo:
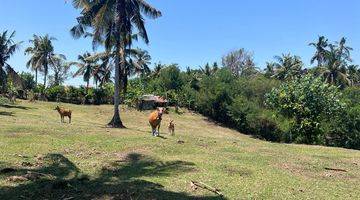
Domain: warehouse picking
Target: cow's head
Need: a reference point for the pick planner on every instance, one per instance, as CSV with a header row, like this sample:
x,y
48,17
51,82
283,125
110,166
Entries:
x,y
160,112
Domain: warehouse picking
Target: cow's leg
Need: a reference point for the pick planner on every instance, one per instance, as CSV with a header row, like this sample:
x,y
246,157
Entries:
x,y
70,119
153,130
158,130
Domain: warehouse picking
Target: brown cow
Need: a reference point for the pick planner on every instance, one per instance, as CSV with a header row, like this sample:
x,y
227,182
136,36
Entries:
x,y
155,121
63,113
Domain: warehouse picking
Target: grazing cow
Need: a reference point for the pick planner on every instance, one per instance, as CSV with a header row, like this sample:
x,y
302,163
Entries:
x,y
63,113
155,121
171,127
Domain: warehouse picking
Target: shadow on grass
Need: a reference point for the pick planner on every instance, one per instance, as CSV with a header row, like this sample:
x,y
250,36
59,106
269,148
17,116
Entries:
x,y
4,113
118,180
15,106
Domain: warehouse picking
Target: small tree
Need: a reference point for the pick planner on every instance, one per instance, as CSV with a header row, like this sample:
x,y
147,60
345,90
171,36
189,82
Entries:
x,y
240,62
308,101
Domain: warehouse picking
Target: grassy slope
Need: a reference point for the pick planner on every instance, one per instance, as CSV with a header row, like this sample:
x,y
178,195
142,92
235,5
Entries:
x,y
130,163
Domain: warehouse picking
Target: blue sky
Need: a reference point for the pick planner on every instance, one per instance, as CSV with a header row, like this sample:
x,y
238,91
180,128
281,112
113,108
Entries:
x,y
193,32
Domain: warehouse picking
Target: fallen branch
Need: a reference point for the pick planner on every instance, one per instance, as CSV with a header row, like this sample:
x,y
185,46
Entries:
x,y
195,184
334,169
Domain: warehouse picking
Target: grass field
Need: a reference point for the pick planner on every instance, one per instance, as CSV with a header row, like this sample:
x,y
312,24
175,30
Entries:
x,y
86,160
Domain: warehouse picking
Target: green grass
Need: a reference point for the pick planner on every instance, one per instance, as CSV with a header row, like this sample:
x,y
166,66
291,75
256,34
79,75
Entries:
x,y
86,160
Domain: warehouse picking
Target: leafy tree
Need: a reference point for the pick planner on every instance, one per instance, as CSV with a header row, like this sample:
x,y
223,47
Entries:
x,y
28,81
308,101
7,49
170,78
216,94
114,20
239,61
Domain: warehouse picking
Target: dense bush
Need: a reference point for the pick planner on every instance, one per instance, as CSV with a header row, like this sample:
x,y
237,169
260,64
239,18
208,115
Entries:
x,y
28,81
344,130
307,101
55,93
352,95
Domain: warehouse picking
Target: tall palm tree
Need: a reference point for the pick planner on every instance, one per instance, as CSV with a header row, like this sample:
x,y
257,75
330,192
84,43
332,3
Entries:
x,y
42,54
334,70
7,49
320,46
270,69
287,67
140,63
124,15
156,71
354,73
60,69
33,50
343,50
87,67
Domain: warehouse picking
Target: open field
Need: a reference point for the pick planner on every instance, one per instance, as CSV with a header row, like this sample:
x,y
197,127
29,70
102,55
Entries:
x,y
85,159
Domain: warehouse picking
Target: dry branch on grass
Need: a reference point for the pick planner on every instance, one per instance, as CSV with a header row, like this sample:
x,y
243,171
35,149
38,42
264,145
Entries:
x,y
335,169
195,184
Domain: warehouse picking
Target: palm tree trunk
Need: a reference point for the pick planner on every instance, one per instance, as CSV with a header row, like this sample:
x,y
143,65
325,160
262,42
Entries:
x,y
36,73
87,86
45,74
116,120
119,66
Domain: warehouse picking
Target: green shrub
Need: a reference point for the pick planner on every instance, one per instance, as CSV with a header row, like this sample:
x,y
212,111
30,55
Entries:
x,y
215,95
345,129
307,101
352,95
55,93
28,80
4,101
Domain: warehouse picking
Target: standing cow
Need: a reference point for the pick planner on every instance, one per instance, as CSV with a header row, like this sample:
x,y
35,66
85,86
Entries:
x,y
155,121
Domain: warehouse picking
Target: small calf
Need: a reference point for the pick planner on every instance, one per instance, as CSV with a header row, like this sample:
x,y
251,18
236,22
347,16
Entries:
x,y
171,127
63,113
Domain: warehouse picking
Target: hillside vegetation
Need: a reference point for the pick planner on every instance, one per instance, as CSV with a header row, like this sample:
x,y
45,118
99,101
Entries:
x,y
86,160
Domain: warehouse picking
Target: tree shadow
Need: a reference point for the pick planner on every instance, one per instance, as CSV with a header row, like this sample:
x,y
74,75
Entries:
x,y
4,113
122,179
15,106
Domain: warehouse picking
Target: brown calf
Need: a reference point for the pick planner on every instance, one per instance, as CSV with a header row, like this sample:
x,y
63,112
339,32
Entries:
x,y
63,113
155,121
171,127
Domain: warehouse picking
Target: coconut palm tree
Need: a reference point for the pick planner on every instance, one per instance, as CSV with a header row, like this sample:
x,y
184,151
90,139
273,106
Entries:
x,y
43,54
140,63
33,50
354,73
320,46
124,16
343,50
287,67
270,69
334,70
86,67
60,69
7,48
